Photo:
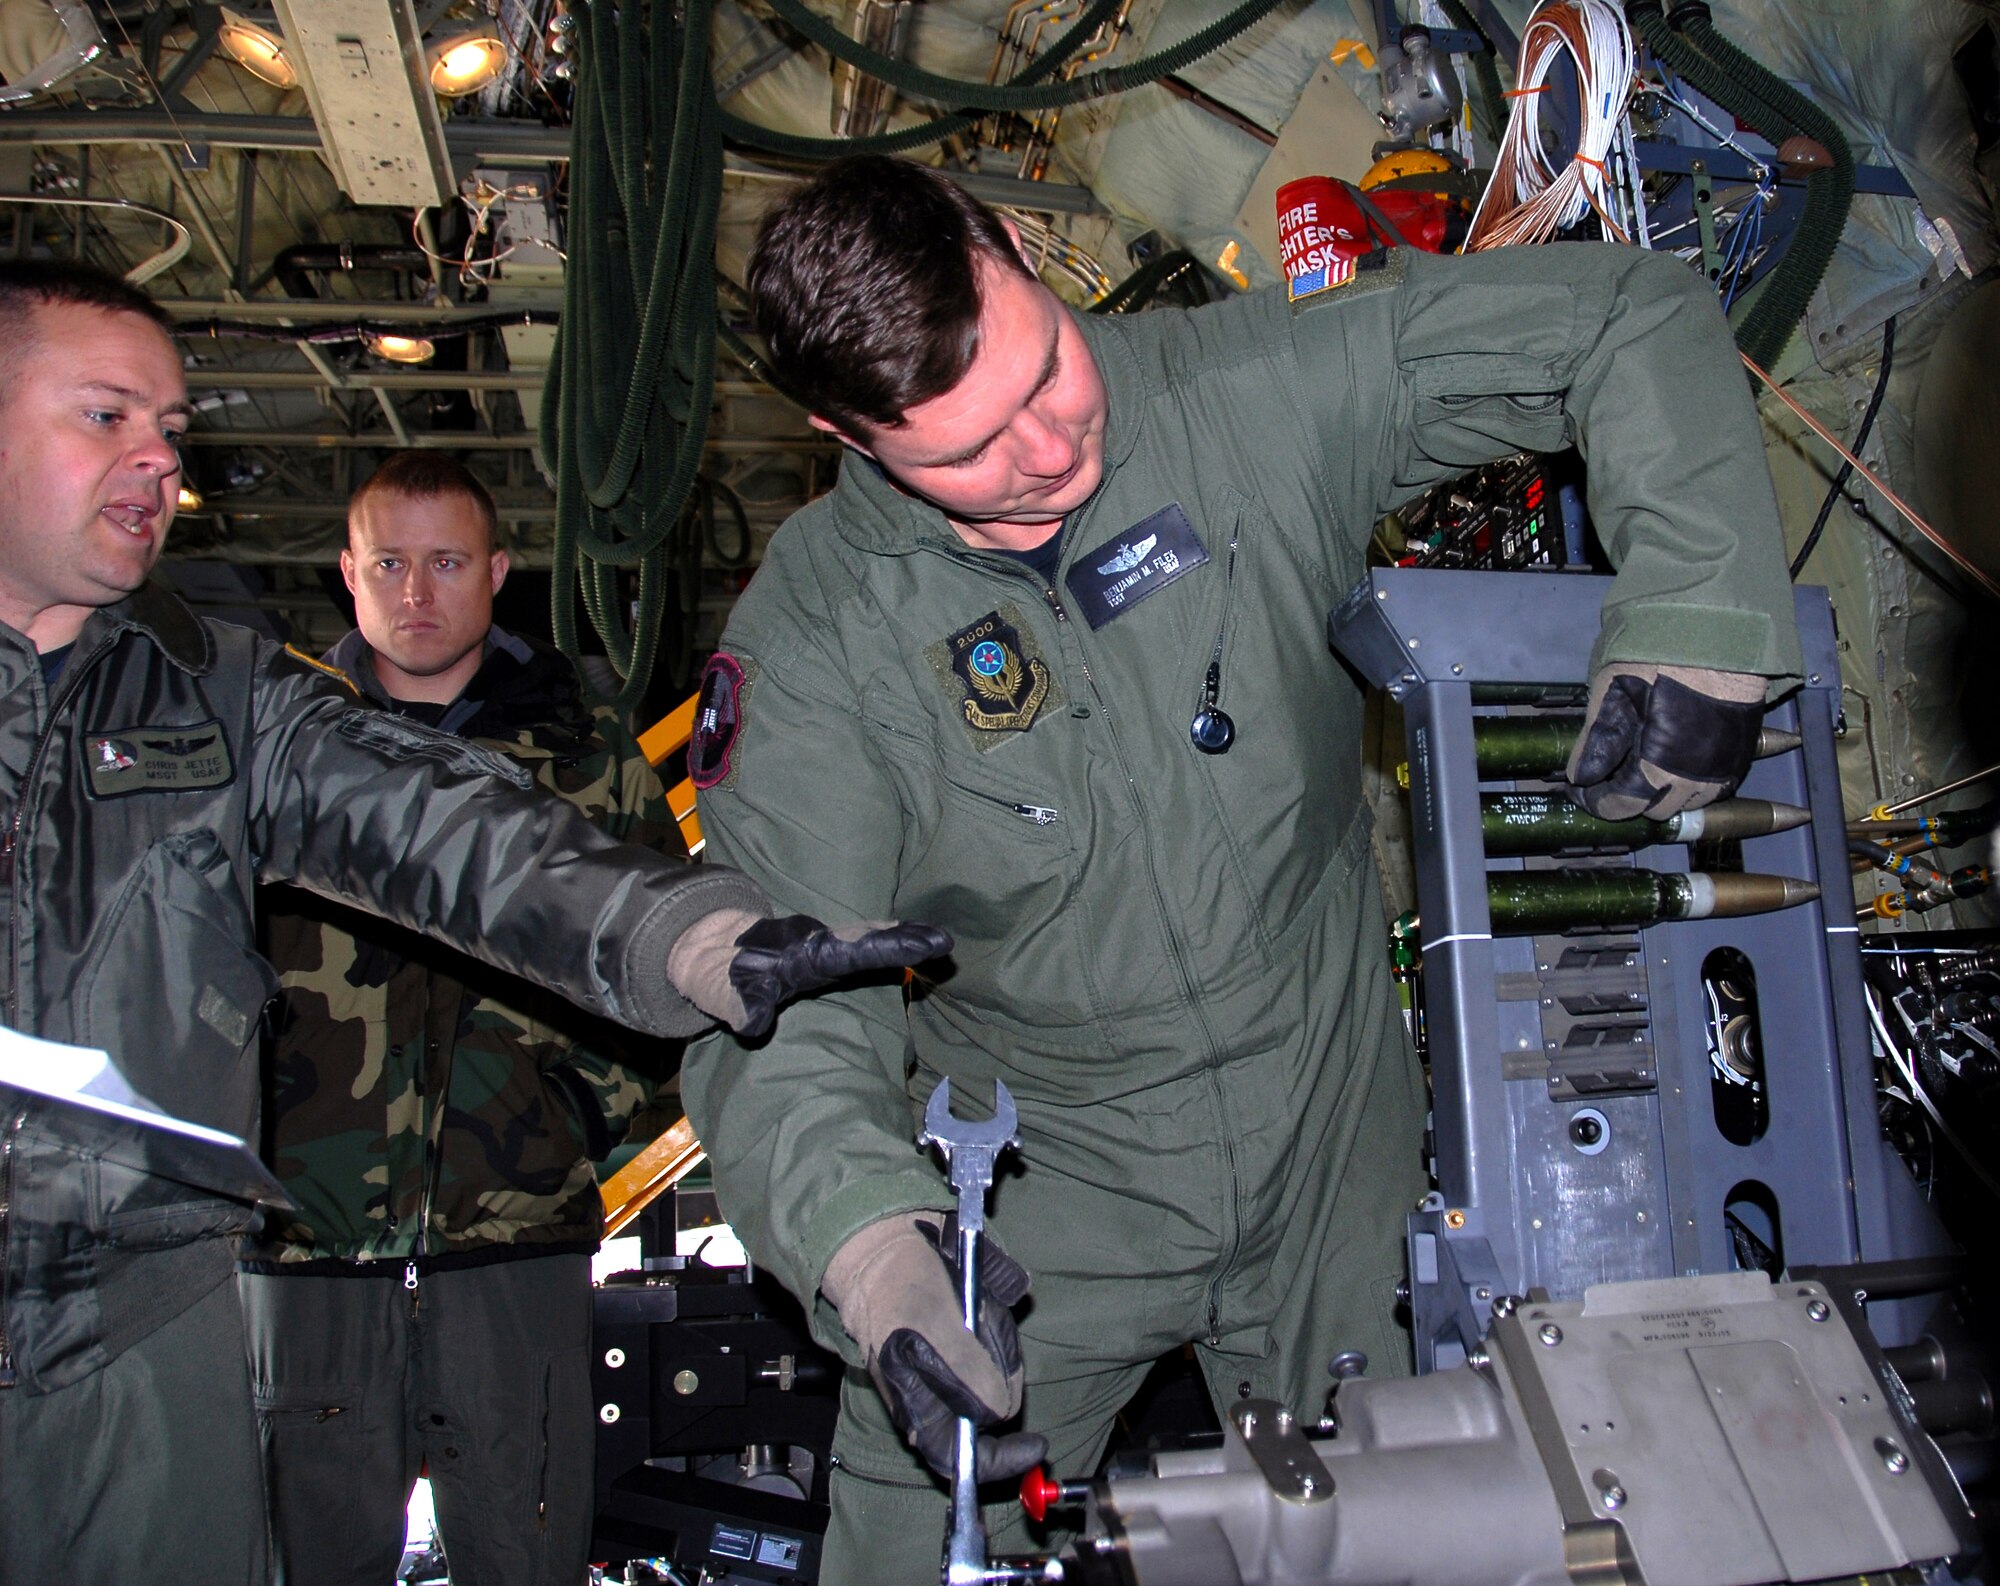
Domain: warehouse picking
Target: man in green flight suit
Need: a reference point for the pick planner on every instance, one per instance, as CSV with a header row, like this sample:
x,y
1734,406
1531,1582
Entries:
x,y
979,682
437,1120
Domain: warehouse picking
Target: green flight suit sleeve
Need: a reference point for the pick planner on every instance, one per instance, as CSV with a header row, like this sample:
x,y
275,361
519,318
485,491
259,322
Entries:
x,y
1435,365
810,1132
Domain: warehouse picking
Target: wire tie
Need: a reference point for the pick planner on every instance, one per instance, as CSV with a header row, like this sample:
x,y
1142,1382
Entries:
x,y
1585,159
1522,93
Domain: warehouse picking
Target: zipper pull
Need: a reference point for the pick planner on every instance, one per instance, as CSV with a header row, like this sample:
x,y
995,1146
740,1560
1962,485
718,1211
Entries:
x,y
410,1276
1040,814
7,858
1055,605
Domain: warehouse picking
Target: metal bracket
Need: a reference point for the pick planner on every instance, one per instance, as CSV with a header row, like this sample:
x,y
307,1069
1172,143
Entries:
x,y
1283,1455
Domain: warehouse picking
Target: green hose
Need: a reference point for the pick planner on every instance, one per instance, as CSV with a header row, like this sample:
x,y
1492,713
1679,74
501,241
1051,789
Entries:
x,y
1489,105
959,92
626,404
1139,288
935,130
1777,111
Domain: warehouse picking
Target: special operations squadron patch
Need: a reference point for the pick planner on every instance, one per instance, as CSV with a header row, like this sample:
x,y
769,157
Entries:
x,y
993,672
718,715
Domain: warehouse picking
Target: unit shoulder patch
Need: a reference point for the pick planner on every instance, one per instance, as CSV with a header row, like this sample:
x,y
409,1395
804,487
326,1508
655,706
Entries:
x,y
718,719
165,759
994,674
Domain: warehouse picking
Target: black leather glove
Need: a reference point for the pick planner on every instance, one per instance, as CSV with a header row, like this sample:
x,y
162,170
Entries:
x,y
1657,740
741,968
896,1288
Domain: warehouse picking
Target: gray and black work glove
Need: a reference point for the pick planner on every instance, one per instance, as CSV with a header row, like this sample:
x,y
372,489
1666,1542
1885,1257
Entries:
x,y
741,967
895,1287
1657,740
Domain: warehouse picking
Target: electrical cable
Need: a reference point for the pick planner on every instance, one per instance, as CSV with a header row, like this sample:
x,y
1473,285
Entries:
x,y
1897,865
1904,1068
1860,440
1527,200
1972,571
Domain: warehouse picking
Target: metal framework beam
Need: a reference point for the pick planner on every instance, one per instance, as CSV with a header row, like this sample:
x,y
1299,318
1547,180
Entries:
x,y
472,441
190,312
215,378
468,139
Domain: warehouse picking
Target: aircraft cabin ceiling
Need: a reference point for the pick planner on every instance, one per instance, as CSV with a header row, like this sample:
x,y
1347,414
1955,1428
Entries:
x,y
362,213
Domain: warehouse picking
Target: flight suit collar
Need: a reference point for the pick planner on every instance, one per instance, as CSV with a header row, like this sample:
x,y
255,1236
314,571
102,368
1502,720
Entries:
x,y
162,616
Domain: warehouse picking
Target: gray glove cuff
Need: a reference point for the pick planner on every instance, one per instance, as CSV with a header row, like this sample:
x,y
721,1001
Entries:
x,y
1738,688
889,1277
698,963
859,1266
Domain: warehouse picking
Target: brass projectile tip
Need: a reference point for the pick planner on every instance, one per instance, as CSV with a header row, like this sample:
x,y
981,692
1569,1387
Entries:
x,y
1737,819
1775,740
1725,896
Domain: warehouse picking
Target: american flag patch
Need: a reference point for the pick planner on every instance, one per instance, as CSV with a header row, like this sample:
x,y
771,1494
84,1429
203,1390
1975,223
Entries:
x,y
1337,273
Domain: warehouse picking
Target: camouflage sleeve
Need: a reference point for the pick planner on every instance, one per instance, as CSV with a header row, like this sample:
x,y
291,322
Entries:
x,y
619,791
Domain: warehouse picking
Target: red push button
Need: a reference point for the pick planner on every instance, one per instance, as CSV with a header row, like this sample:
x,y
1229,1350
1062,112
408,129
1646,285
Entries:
x,y
1038,1491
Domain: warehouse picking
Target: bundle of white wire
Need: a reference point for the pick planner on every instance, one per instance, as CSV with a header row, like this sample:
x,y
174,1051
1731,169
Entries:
x,y
1526,199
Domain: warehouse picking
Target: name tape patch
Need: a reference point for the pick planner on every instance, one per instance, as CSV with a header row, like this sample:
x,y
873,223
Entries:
x,y
158,759
1111,580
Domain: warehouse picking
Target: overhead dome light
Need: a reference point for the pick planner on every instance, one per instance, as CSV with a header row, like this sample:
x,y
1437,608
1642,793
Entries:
x,y
402,349
465,61
189,501
259,48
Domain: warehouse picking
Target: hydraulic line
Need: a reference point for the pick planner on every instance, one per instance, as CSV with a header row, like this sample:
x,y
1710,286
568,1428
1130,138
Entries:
x,y
626,408
1139,288
1779,113
935,130
961,92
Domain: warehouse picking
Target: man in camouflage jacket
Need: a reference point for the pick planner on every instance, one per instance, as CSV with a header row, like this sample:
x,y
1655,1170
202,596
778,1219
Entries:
x,y
437,1122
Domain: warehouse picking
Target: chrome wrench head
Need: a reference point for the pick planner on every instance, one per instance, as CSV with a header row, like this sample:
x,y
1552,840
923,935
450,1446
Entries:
x,y
943,1128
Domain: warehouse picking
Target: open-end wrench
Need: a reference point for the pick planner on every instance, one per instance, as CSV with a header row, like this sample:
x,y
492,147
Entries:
x,y
970,1151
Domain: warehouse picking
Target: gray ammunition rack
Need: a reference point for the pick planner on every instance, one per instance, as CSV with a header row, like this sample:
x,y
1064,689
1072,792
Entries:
x,y
1584,1130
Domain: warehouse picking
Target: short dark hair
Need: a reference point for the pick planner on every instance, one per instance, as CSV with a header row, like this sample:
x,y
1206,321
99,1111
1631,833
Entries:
x,y
28,284
418,475
865,286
